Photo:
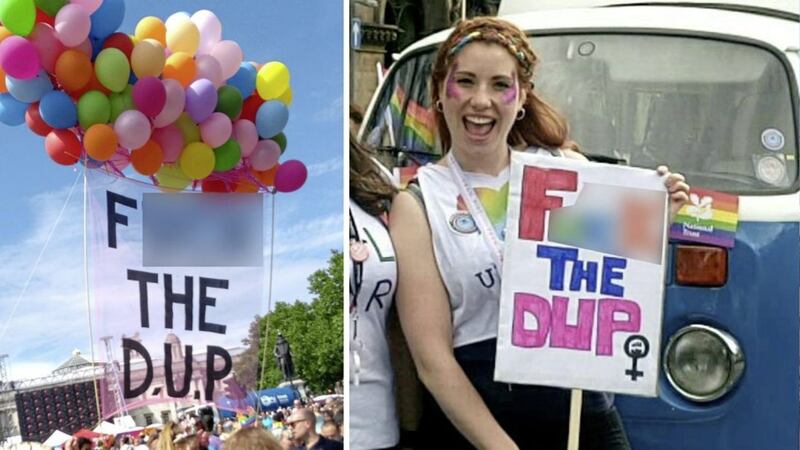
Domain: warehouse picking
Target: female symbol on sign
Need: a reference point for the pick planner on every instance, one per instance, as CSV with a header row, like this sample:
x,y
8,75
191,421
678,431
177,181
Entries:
x,y
636,347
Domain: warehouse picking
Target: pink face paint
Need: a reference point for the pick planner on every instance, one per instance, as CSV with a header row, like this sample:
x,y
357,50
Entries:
x,y
451,87
510,94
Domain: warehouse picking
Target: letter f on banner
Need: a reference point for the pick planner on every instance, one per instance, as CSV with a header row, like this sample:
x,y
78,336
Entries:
x,y
535,201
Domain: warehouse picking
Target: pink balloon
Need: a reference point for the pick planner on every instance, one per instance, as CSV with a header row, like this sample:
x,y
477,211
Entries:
x,y
120,160
208,67
229,56
173,107
89,5
246,134
170,139
18,58
72,24
216,130
210,30
149,96
85,47
290,176
47,45
265,155
133,129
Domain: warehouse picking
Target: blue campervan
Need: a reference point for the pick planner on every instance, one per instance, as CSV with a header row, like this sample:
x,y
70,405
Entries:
x,y
711,89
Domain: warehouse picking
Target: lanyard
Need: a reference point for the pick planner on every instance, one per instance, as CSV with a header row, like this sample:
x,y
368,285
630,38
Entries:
x,y
476,210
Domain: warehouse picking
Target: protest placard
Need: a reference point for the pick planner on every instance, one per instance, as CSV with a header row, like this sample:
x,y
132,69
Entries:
x,y
583,276
170,332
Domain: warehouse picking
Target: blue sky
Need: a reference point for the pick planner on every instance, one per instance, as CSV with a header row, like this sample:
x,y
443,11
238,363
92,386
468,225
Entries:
x,y
51,318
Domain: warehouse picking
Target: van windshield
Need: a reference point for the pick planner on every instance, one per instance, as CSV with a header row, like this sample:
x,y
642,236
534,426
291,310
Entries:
x,y
719,112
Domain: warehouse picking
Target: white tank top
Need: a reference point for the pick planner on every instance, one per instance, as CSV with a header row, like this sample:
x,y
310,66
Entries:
x,y
373,416
462,255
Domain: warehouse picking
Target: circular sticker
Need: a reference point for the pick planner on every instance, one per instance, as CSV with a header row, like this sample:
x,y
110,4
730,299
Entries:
x,y
359,252
770,170
772,139
463,222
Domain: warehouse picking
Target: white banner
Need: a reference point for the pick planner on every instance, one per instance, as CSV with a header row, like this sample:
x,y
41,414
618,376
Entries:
x,y
583,276
171,332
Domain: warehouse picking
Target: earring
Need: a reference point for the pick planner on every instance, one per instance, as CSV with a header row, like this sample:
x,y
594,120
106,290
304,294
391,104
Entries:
x,y
521,114
439,106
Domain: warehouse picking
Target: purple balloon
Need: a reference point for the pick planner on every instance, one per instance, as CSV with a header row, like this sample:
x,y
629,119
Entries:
x,y
290,176
19,58
201,99
149,96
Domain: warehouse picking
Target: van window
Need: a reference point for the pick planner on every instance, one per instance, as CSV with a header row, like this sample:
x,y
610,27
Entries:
x,y
719,112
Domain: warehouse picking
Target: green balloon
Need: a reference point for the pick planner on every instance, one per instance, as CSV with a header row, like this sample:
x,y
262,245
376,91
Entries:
x,y
50,7
227,156
18,16
280,138
113,69
121,102
93,107
229,101
189,129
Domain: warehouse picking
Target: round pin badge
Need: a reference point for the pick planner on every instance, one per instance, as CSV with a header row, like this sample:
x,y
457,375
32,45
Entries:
x,y
359,252
463,222
772,139
770,170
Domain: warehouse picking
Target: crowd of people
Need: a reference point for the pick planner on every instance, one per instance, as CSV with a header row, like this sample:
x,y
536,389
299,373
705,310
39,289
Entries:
x,y
299,427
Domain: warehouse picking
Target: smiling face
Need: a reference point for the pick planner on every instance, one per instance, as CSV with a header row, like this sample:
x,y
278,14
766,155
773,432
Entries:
x,y
481,97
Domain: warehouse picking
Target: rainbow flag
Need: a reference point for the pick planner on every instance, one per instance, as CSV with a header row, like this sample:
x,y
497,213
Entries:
x,y
709,217
418,127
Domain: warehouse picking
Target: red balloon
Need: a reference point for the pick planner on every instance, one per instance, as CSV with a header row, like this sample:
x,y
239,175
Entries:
x,y
250,107
63,147
120,41
42,17
35,122
217,185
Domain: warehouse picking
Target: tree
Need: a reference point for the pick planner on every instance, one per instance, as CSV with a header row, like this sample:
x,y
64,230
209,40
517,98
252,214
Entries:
x,y
314,330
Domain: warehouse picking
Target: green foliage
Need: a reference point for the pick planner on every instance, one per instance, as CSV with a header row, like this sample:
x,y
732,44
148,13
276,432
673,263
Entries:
x,y
314,331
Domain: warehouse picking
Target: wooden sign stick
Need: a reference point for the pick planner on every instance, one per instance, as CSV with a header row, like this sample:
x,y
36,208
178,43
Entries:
x,y
575,406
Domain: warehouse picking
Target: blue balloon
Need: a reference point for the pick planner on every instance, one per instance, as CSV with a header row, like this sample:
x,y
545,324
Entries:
x,y
244,79
12,111
271,118
30,90
58,110
107,19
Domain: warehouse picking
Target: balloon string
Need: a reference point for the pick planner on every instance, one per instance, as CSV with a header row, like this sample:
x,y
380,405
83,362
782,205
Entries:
x,y
86,282
269,296
38,259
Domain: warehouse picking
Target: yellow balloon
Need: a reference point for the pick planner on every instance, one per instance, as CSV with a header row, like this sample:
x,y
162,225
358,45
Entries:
x,y
134,40
189,129
286,97
147,58
151,28
197,160
171,178
183,37
272,80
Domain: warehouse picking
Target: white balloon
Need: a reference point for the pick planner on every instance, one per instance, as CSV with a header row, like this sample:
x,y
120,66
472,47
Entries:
x,y
210,30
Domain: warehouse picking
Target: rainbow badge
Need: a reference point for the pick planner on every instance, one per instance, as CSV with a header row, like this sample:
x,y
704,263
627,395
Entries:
x,y
709,217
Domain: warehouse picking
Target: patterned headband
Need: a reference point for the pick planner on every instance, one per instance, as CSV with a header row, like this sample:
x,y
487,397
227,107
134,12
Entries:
x,y
493,36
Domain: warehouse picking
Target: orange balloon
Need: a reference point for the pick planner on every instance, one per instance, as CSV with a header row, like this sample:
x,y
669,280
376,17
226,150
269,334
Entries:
x,y
180,66
245,185
3,88
4,33
267,177
151,28
93,85
73,70
100,141
147,159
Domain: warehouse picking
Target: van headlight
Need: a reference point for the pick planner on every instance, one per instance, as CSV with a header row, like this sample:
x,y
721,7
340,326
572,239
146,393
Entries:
x,y
702,362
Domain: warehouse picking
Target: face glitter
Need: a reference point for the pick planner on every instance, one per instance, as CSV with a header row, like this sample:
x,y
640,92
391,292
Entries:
x,y
451,87
510,94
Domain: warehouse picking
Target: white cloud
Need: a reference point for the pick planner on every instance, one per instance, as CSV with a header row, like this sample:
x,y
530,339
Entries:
x,y
331,112
329,165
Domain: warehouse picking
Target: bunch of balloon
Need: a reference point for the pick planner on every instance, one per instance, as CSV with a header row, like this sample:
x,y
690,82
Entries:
x,y
173,100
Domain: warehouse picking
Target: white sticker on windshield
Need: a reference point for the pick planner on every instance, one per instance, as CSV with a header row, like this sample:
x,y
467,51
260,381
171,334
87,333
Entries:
x,y
772,139
770,170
